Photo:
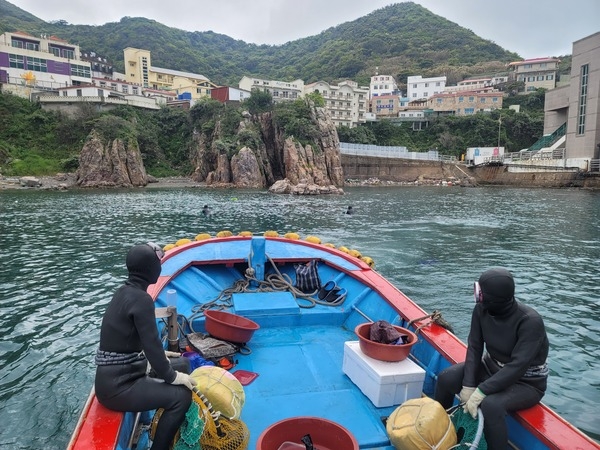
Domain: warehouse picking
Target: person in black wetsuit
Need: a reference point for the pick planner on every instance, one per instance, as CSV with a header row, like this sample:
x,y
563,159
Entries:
x,y
505,368
130,345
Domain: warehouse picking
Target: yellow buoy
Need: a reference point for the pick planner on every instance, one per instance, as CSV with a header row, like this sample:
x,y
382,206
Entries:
x,y
355,253
224,233
245,233
368,260
181,242
341,248
294,236
202,237
329,244
168,247
313,239
271,233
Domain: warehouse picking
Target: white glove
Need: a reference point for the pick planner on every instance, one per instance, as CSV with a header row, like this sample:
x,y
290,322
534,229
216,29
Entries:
x,y
185,380
465,393
169,354
474,402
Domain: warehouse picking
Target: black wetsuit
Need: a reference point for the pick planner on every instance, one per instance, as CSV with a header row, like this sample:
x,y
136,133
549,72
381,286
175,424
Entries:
x,y
128,327
511,372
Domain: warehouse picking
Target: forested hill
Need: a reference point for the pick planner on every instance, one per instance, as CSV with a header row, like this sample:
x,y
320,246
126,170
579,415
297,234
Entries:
x,y
401,39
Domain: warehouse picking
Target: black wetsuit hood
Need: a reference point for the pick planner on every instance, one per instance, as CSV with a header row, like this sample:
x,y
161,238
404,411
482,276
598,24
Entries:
x,y
498,289
143,266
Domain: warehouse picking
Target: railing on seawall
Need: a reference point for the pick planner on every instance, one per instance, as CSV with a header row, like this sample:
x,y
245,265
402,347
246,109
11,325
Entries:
x,y
595,165
397,152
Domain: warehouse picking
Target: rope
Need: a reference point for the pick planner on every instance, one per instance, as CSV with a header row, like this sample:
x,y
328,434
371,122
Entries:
x,y
436,317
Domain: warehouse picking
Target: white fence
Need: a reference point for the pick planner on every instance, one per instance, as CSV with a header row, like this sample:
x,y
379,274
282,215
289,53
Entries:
x,y
391,152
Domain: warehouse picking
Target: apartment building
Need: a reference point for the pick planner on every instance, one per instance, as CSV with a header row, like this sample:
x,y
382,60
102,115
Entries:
x,y
42,63
477,84
578,105
382,85
419,87
535,73
386,105
465,103
346,101
139,70
279,90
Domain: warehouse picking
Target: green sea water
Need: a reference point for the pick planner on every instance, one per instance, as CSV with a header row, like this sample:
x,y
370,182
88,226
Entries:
x,y
62,256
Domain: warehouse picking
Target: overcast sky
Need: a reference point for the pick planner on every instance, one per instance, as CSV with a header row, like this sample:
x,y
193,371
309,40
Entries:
x,y
531,28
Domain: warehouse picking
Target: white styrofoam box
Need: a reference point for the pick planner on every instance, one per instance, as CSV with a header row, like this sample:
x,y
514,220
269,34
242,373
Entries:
x,y
385,383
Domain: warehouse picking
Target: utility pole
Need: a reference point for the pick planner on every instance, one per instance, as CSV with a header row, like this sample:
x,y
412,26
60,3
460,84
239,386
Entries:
x,y
499,125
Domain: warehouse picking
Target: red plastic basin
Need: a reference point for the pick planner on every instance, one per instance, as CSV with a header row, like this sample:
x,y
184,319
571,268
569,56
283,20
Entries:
x,y
325,434
384,352
229,327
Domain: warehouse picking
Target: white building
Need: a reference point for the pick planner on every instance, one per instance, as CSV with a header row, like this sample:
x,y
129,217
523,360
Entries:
x,y
41,62
382,85
279,90
423,88
345,102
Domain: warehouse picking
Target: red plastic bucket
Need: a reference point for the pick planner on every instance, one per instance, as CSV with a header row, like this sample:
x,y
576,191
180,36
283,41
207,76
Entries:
x,y
229,327
384,352
325,435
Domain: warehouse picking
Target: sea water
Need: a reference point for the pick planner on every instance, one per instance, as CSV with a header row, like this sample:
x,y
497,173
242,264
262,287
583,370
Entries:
x,y
62,256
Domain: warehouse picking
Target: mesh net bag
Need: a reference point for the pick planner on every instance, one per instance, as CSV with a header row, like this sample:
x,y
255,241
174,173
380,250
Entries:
x,y
469,431
207,430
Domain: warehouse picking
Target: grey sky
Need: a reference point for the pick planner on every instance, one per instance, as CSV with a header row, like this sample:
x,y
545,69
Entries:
x,y
531,28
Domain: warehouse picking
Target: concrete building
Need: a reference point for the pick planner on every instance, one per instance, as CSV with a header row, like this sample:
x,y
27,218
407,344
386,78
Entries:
x,y
386,105
41,63
346,101
535,73
139,70
419,87
477,84
382,85
465,103
578,106
279,90
228,94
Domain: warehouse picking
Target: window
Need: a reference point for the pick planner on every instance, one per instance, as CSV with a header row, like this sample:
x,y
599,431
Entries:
x,y
425,94
471,99
16,61
482,99
17,44
469,110
581,110
437,84
530,78
414,94
79,93
125,89
461,99
37,65
80,71
494,99
135,91
426,84
69,54
540,78
549,77
414,86
439,100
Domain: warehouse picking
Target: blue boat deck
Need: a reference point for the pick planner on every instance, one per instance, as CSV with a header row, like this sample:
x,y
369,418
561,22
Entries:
x,y
300,374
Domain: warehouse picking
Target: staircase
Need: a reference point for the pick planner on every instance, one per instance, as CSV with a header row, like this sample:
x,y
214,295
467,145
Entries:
x,y
548,139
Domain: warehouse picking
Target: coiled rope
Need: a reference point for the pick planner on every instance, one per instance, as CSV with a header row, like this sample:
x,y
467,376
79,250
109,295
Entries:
x,y
436,317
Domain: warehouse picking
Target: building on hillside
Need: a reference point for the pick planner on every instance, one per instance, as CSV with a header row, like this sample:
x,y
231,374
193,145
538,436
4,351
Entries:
x,y
346,102
486,84
279,90
385,105
382,85
419,87
139,70
535,73
101,68
464,103
577,106
41,63
229,94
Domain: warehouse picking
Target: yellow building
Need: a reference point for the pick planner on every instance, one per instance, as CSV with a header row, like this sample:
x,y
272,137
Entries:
x,y
139,70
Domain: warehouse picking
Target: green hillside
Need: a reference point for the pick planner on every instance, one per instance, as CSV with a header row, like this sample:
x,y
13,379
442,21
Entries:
x,y
400,39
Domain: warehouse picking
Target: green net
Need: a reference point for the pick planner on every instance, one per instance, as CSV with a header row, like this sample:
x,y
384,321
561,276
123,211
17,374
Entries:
x,y
469,431
190,430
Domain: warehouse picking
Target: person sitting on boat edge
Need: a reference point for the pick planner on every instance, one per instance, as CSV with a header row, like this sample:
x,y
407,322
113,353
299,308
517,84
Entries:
x,y
130,345
505,368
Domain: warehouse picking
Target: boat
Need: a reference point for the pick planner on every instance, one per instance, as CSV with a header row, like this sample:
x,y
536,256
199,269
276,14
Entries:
x,y
299,346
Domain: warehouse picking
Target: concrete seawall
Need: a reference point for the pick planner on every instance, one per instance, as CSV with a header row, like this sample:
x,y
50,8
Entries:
x,y
407,170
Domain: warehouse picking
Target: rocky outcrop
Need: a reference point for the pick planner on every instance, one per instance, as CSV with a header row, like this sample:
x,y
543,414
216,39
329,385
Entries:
x,y
112,164
302,169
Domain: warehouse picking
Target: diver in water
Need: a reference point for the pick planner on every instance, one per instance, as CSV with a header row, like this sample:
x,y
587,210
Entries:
x,y
130,346
206,211
505,369
349,210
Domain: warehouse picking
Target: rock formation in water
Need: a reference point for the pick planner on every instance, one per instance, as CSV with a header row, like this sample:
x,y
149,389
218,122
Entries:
x,y
110,163
272,161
